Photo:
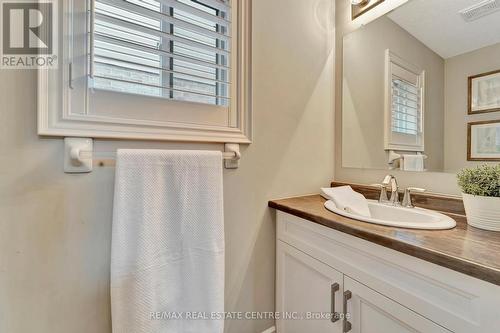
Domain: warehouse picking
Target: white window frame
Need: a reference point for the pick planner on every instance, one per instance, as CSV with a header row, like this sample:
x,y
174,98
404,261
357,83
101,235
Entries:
x,y
57,117
390,141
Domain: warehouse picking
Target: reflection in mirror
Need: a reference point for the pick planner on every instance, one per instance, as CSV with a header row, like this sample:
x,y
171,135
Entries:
x,y
407,98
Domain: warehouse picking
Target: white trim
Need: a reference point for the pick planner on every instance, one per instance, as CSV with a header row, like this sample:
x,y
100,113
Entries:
x,y
56,119
270,330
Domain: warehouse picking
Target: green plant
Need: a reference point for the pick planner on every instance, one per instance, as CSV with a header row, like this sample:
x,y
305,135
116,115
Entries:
x,y
483,180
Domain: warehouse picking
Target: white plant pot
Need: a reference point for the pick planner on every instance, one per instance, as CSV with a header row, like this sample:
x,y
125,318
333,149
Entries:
x,y
482,212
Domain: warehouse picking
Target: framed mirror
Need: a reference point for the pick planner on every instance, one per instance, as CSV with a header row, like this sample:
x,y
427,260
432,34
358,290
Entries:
x,y
413,82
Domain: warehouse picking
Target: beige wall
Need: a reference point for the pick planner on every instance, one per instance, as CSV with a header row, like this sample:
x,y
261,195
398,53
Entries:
x,y
55,227
435,182
363,103
458,69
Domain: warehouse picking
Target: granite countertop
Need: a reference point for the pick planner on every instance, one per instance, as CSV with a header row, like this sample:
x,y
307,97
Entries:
x,y
465,249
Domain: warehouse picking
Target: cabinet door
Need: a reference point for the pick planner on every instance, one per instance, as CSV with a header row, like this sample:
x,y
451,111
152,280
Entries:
x,y
371,312
308,292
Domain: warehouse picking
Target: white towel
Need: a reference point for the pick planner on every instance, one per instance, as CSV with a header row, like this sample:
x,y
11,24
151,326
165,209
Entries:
x,y
413,162
345,198
167,241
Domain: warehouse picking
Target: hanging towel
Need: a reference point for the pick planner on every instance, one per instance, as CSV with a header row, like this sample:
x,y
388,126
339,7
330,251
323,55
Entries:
x,y
345,198
413,162
167,252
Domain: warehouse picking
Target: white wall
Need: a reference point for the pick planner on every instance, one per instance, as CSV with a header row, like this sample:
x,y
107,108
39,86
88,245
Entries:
x,y
55,228
458,69
435,182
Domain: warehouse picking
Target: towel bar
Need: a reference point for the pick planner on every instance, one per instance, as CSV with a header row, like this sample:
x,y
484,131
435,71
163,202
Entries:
x,y
80,157
393,156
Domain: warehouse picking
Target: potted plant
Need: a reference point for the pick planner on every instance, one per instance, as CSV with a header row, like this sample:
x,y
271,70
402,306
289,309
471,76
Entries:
x,y
481,195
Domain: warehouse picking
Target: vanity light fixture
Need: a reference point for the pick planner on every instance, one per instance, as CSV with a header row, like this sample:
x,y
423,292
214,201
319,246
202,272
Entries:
x,y
359,7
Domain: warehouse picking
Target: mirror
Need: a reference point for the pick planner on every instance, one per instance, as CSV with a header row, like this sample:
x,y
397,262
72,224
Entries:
x,y
421,88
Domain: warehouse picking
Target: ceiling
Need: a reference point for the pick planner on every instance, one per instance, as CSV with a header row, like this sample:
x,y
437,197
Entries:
x,y
439,25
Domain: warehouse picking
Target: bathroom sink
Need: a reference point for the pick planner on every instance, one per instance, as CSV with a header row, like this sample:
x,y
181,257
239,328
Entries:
x,y
394,216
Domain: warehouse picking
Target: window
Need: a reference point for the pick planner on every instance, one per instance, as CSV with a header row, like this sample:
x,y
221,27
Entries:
x,y
147,47
152,69
404,105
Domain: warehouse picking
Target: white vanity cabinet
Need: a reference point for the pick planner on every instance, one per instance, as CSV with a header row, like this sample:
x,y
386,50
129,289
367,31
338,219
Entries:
x,y
381,290
311,292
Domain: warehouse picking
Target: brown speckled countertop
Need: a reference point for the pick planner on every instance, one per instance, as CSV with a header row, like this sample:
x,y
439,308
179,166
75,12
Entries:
x,y
464,249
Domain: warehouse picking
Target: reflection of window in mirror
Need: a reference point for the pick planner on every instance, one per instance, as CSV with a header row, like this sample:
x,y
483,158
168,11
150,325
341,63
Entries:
x,y
404,129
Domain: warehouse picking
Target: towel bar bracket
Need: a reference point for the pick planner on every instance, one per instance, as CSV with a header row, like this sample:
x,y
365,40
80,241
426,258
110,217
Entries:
x,y
235,162
74,162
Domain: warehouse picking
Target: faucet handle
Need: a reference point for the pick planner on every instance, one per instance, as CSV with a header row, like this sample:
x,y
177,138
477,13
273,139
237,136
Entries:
x,y
407,202
383,192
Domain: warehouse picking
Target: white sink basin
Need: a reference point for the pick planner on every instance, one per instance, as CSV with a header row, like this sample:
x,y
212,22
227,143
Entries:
x,y
413,218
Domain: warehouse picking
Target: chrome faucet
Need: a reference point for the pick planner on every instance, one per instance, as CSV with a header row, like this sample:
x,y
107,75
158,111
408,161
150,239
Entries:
x,y
389,180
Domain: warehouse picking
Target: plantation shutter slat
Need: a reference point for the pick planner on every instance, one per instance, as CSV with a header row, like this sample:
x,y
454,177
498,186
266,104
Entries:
x,y
174,49
146,68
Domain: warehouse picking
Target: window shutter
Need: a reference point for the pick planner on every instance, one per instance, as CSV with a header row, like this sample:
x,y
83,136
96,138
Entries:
x,y
405,105
173,49
406,115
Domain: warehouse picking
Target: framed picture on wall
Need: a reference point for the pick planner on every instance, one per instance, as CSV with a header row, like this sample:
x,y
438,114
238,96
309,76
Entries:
x,y
483,141
484,93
